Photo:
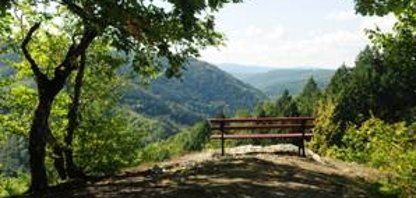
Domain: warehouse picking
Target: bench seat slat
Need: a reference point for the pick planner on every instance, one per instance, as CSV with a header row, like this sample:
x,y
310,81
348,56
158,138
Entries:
x,y
260,136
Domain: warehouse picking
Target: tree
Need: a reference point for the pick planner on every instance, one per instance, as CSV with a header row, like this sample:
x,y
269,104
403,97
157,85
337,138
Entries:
x,y
363,93
398,51
339,81
379,85
286,106
384,7
308,98
265,109
143,30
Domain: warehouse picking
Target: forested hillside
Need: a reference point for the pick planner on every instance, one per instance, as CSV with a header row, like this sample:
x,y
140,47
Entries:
x,y
202,91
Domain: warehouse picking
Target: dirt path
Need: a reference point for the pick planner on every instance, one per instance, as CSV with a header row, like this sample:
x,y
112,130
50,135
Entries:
x,y
245,172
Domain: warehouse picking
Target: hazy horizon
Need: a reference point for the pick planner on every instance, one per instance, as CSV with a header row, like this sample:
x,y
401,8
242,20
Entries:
x,y
226,64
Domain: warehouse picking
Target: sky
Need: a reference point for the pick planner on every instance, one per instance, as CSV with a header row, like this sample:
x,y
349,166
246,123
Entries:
x,y
292,33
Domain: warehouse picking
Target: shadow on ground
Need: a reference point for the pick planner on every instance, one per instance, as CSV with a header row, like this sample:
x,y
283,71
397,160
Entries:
x,y
228,177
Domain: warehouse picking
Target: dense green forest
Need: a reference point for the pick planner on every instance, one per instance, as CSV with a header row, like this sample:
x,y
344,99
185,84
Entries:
x,y
119,95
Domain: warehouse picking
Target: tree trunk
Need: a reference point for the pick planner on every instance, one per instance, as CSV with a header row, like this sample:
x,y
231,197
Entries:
x,y
40,134
71,168
59,160
37,142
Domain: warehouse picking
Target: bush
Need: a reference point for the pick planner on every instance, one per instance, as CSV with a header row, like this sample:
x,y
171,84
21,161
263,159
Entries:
x,y
11,186
155,152
106,143
198,137
193,139
389,147
326,133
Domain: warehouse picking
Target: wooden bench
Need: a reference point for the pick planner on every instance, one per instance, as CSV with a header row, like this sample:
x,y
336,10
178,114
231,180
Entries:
x,y
299,128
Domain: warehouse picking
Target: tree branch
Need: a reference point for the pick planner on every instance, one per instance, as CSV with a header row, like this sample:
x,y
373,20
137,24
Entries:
x,y
77,10
87,37
28,56
74,52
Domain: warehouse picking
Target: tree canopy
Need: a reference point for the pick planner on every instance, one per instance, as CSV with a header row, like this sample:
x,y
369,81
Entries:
x,y
144,31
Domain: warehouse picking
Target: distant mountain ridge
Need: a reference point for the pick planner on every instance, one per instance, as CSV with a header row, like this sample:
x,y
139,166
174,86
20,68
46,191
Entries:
x,y
274,81
242,71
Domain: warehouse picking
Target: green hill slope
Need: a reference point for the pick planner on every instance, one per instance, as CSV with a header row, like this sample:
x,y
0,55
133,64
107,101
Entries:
x,y
202,91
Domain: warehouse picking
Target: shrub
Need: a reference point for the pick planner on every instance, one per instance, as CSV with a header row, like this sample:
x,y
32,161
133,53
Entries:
x,y
11,186
389,147
193,139
326,132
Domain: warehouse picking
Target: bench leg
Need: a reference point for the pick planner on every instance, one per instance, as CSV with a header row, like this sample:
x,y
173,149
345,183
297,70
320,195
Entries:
x,y
222,138
303,148
303,139
222,147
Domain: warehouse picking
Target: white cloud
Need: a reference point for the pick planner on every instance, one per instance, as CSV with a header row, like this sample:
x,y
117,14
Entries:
x,y
384,23
275,49
342,15
252,31
320,47
276,33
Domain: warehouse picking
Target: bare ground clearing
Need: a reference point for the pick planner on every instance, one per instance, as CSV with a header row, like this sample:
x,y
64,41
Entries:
x,y
247,171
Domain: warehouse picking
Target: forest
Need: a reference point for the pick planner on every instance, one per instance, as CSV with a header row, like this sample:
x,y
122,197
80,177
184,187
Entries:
x,y
89,88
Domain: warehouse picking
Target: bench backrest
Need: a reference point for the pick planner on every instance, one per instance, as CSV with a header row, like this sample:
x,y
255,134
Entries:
x,y
300,124
226,124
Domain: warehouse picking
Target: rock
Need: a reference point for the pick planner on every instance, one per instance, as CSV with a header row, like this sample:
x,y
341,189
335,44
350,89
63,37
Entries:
x,y
155,171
